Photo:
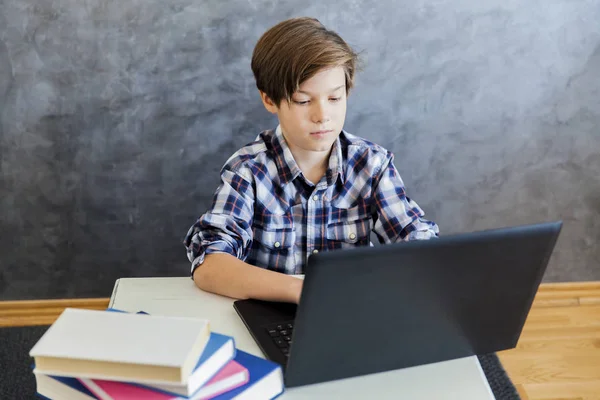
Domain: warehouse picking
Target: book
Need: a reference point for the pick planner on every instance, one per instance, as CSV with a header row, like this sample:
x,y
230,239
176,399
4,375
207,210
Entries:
x,y
121,346
58,387
219,351
229,377
265,380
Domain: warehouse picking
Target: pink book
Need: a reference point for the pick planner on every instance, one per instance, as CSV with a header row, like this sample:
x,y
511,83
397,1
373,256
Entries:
x,y
231,376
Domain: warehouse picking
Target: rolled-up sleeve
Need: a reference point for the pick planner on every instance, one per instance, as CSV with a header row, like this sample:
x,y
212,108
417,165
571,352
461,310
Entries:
x,y
227,226
398,217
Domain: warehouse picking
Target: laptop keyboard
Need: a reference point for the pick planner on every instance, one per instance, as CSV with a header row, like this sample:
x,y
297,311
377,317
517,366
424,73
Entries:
x,y
281,334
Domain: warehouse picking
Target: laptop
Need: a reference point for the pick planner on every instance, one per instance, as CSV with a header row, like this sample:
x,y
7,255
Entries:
x,y
373,309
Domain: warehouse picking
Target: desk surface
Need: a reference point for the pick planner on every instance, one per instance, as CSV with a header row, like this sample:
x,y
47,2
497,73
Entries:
x,y
558,355
460,379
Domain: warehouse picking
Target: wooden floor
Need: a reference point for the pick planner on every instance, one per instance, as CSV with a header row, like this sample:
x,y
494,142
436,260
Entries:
x,y
557,357
558,354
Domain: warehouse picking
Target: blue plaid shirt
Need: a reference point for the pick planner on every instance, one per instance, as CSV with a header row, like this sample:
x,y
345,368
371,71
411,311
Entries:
x,y
268,214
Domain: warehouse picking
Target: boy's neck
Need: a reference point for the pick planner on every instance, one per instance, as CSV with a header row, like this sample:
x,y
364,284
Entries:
x,y
312,164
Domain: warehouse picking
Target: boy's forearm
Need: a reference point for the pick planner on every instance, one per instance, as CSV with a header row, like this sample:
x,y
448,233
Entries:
x,y
226,275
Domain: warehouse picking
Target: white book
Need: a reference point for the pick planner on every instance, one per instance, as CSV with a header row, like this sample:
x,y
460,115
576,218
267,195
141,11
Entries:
x,y
52,387
121,346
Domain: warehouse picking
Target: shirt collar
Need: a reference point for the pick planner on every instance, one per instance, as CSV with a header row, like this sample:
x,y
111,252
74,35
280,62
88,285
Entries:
x,y
286,164
335,167
289,169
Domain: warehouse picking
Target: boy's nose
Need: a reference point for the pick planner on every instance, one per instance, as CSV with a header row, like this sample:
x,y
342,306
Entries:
x,y
320,114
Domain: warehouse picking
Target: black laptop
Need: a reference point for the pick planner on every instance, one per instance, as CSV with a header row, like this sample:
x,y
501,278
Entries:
x,y
375,309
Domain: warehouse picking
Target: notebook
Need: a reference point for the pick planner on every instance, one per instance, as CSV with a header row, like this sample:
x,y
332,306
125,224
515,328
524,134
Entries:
x,y
404,304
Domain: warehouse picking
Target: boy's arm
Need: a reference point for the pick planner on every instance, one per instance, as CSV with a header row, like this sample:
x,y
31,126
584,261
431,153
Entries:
x,y
219,241
398,217
227,275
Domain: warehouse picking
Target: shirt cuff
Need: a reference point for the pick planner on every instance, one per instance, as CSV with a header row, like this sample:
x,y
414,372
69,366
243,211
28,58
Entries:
x,y
422,235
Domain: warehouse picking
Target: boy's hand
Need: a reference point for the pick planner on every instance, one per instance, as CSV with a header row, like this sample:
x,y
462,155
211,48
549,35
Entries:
x,y
224,274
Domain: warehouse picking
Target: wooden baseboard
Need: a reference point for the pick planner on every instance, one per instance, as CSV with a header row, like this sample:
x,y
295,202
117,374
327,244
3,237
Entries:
x,y
42,312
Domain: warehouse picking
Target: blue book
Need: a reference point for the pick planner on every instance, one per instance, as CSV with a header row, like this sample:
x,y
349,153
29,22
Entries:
x,y
265,382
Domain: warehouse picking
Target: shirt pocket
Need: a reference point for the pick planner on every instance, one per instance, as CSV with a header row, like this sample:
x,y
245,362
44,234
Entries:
x,y
274,244
352,230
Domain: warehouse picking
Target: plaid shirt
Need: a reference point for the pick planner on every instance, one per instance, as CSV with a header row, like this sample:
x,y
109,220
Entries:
x,y
268,214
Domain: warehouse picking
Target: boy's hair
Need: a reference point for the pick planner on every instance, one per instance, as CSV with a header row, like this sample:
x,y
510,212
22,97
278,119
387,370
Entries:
x,y
293,51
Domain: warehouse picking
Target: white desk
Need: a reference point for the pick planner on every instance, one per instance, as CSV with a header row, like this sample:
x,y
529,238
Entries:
x,y
461,379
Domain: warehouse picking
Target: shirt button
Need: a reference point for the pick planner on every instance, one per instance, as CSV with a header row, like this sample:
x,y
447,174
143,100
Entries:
x,y
276,244
352,236
315,251
316,198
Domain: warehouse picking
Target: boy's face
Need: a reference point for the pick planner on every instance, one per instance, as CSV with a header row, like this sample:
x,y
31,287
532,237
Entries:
x,y
314,118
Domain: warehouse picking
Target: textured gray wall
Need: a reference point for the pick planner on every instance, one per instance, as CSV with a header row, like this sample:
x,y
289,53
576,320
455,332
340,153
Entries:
x,y
116,116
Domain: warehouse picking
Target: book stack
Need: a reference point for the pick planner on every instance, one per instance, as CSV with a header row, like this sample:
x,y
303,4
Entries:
x,y
89,354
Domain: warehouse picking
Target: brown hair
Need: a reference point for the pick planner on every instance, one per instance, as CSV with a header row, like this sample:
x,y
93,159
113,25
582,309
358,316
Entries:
x,y
293,51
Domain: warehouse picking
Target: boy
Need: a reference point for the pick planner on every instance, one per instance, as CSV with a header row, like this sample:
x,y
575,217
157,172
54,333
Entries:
x,y
305,187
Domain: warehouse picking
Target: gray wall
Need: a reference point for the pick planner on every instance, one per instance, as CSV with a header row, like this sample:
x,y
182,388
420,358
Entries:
x,y
116,116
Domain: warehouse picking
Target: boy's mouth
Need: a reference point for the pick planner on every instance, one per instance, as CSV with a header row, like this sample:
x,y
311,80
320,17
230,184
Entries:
x,y
321,132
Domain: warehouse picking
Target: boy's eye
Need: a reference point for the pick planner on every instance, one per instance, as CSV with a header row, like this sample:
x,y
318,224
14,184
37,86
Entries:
x,y
305,102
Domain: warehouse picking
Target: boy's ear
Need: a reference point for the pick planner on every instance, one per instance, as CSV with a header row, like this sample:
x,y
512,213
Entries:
x,y
268,103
